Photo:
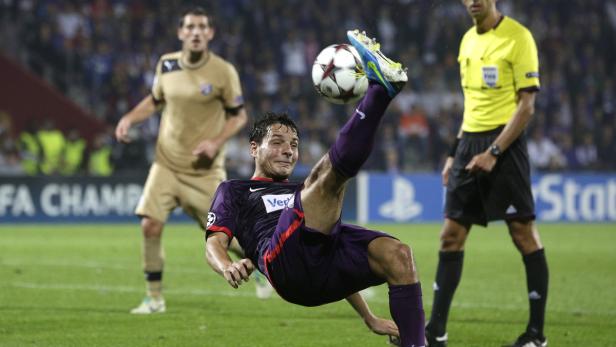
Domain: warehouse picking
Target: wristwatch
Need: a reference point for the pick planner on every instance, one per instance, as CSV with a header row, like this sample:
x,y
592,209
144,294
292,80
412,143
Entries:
x,y
495,151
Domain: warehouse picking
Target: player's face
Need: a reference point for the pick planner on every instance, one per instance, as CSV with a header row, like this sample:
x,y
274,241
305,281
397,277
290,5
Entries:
x,y
479,9
277,154
195,33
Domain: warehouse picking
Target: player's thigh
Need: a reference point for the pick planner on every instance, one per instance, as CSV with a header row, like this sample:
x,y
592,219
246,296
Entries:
x,y
197,192
159,196
322,196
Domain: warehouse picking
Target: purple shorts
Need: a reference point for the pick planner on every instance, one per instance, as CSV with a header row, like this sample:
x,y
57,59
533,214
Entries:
x,y
309,268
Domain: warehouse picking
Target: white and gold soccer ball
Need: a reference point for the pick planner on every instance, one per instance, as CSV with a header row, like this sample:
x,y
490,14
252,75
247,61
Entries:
x,y
338,74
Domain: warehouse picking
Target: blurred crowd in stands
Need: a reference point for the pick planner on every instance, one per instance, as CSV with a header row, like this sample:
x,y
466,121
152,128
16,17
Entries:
x,y
102,55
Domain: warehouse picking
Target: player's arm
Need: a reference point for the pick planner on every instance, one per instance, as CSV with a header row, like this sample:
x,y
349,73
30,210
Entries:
x,y
138,114
216,253
450,157
377,325
516,125
236,120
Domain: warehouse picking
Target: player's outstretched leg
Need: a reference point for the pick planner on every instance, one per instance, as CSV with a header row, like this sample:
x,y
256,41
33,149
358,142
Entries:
x,y
378,67
356,139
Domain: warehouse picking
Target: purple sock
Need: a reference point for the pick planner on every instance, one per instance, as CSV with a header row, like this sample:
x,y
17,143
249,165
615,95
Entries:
x,y
407,311
356,139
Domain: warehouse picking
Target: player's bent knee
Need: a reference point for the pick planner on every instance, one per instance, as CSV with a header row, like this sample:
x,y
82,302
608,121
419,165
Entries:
x,y
451,241
453,236
402,255
403,265
526,239
151,227
395,261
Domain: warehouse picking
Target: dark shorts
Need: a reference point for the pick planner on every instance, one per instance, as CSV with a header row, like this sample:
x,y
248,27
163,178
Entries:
x,y
503,194
309,268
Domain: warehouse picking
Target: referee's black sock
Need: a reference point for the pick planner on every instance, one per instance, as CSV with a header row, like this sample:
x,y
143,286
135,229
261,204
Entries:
x,y
448,274
537,284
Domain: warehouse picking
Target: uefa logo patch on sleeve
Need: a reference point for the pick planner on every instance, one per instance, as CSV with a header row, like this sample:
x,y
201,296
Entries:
x,y
211,218
490,75
532,75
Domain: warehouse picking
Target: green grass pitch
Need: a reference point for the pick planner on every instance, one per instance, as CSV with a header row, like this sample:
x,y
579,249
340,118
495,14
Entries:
x,y
72,285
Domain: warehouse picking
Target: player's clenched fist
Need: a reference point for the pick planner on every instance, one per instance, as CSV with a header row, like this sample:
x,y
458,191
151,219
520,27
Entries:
x,y
238,271
121,131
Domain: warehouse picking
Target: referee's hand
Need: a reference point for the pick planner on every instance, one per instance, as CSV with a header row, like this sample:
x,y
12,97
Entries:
x,y
483,162
446,170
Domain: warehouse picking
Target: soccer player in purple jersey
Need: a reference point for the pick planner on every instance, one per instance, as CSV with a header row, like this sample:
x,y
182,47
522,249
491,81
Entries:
x,y
292,232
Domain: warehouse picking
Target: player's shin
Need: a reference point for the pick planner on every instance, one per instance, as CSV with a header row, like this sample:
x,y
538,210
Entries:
x,y
406,308
537,284
448,275
153,260
356,139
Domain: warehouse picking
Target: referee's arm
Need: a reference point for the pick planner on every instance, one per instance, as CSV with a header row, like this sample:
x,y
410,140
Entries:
x,y
516,125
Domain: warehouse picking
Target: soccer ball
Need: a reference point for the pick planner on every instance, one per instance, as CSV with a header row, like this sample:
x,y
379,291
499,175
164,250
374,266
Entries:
x,y
338,75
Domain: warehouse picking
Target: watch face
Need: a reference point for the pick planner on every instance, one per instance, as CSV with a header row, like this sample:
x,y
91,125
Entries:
x,y
495,151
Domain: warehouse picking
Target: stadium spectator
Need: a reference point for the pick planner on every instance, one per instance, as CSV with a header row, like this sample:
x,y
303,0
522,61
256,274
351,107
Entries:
x,y
543,153
565,145
10,163
300,244
52,144
202,102
586,152
576,62
99,160
30,150
605,148
487,173
413,131
73,153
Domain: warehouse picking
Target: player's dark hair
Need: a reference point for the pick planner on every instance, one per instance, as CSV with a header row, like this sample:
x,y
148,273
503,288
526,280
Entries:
x,y
196,11
259,128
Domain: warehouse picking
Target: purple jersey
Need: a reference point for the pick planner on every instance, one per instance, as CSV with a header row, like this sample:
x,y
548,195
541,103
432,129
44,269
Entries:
x,y
305,266
249,211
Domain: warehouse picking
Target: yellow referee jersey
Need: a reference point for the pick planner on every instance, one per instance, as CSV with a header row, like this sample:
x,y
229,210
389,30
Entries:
x,y
494,66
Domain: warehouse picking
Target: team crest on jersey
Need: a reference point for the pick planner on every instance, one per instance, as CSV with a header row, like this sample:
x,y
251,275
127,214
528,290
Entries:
x,y
490,75
275,202
211,218
206,88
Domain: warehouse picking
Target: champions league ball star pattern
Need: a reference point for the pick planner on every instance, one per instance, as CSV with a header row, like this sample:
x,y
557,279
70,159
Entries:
x,y
338,75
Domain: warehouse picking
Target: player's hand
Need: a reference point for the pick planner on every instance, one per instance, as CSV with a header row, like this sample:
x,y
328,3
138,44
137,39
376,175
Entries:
x,y
121,131
208,148
382,326
238,271
446,170
483,162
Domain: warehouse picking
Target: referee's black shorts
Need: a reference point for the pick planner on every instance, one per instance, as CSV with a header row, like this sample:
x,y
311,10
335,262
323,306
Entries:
x,y
503,194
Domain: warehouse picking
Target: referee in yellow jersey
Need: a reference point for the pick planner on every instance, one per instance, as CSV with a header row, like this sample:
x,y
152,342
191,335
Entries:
x,y
487,173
